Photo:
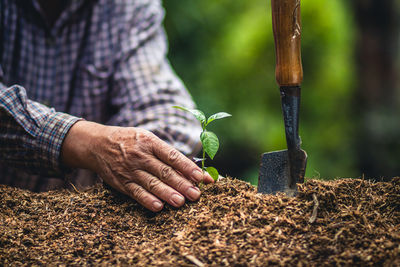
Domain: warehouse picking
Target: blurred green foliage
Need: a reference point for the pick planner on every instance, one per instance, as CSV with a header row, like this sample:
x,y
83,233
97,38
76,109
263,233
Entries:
x,y
224,52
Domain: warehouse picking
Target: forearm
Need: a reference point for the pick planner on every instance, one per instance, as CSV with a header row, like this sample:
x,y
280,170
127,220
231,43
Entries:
x,y
78,147
31,134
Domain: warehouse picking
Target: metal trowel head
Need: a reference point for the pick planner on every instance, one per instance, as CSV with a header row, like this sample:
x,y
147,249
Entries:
x,y
277,175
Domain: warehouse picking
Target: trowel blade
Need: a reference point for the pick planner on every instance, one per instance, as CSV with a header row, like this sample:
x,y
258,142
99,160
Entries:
x,y
275,174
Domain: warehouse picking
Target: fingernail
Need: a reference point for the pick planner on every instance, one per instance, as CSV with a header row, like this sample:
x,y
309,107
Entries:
x,y
178,200
157,205
197,175
193,193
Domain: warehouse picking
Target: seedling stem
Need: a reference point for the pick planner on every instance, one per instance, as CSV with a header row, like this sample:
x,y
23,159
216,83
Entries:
x,y
209,140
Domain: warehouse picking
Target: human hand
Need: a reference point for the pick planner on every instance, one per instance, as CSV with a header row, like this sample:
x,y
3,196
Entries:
x,y
135,162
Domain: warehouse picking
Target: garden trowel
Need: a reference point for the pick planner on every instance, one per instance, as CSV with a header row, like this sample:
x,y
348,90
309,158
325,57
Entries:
x,y
281,170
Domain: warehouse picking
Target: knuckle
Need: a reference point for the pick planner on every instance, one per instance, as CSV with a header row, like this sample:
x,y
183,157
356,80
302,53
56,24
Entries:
x,y
136,175
186,167
145,140
144,136
137,192
181,184
145,163
173,155
153,184
166,173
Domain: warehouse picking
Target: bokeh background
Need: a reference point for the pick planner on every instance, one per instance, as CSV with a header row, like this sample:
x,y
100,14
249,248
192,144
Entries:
x,y
350,119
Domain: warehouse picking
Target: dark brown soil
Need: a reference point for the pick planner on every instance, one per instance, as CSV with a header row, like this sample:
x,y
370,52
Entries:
x,y
344,222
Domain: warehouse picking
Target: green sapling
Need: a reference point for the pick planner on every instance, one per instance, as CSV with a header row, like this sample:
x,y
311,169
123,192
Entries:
x,y
209,140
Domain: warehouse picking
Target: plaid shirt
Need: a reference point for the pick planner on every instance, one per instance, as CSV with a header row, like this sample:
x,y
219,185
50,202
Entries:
x,y
104,61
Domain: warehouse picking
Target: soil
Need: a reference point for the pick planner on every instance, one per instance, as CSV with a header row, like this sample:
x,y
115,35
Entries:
x,y
348,222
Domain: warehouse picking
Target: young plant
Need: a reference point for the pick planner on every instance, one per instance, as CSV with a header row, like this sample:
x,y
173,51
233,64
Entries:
x,y
209,140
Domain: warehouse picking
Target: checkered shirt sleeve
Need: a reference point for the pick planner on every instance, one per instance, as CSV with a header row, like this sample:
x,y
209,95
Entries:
x,y
31,134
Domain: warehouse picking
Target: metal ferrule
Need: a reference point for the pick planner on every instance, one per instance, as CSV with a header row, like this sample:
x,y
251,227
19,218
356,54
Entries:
x,y
290,99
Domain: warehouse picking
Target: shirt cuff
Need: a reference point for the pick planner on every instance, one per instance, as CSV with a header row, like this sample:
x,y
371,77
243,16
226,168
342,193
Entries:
x,y
50,140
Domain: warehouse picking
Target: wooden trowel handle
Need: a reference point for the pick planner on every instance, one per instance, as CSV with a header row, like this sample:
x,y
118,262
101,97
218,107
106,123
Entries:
x,y
287,32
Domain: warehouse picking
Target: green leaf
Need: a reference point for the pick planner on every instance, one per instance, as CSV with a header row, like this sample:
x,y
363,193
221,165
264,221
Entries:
x,y
218,116
213,173
197,113
210,143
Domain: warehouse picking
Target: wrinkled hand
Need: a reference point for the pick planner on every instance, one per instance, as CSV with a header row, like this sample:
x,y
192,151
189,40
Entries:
x,y
135,162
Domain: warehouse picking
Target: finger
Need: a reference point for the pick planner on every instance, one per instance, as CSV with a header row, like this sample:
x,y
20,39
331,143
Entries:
x,y
208,178
158,188
180,162
142,196
169,176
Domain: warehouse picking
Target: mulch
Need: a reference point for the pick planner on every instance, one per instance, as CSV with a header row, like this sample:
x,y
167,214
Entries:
x,y
347,222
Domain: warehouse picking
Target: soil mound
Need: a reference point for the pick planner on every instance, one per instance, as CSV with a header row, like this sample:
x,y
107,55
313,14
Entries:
x,y
344,222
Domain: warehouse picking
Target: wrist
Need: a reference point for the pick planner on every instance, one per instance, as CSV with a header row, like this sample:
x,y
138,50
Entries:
x,y
77,148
